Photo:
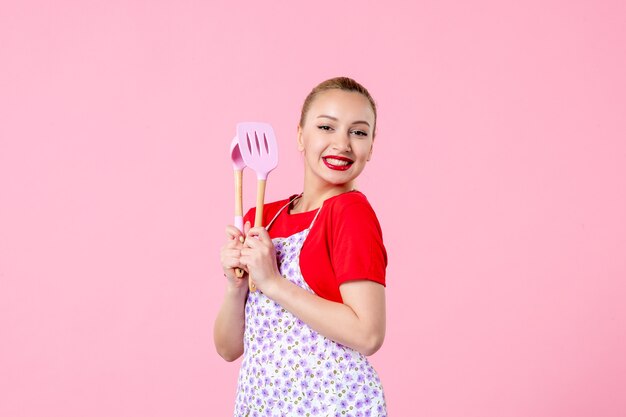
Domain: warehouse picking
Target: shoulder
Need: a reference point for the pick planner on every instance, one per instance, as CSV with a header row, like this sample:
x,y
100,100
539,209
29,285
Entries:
x,y
350,203
353,196
351,211
355,238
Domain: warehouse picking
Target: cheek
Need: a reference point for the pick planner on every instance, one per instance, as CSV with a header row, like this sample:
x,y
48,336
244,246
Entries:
x,y
364,149
313,145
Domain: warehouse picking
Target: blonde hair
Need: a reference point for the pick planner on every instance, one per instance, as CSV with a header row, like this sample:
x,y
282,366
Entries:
x,y
338,83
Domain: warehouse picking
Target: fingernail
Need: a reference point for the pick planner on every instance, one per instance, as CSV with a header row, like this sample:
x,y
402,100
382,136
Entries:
x,y
241,239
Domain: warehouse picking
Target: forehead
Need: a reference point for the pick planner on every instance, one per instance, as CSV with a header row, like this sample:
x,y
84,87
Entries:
x,y
343,105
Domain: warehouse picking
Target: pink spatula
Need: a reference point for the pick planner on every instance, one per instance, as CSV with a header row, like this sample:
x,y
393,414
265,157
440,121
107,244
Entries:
x,y
259,151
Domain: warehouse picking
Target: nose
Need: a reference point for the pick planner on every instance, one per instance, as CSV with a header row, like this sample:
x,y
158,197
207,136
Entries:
x,y
341,142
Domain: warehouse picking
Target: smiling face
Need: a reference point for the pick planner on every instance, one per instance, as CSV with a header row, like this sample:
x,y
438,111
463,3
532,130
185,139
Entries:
x,y
336,139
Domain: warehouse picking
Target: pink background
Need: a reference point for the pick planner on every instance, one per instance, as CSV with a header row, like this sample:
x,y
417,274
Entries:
x,y
498,177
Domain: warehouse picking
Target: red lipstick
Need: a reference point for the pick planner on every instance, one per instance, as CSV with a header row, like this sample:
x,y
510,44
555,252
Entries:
x,y
337,163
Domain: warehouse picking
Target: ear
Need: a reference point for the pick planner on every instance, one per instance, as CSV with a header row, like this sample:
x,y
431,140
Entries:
x,y
300,141
369,156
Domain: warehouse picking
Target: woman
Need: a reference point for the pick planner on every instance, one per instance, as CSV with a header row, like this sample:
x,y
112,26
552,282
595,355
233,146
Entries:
x,y
319,267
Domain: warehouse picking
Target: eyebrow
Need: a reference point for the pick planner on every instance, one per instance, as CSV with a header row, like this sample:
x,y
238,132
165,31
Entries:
x,y
335,119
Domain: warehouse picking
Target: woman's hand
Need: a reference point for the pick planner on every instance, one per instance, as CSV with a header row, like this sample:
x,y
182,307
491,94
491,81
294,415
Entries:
x,y
258,256
229,325
230,256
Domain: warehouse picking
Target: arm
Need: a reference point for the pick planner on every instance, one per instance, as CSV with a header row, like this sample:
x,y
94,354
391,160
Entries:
x,y
229,324
358,323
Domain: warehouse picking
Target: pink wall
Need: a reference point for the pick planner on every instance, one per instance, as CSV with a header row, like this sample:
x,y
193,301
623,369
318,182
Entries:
x,y
502,135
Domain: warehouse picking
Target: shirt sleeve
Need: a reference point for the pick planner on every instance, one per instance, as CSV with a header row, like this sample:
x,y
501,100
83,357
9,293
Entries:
x,y
358,251
249,216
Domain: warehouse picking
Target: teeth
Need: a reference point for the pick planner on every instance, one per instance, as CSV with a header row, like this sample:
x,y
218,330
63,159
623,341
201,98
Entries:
x,y
337,162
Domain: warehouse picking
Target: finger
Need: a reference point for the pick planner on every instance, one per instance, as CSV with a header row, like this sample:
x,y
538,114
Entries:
x,y
246,227
245,261
259,233
248,255
252,242
230,244
231,253
231,263
249,248
254,250
233,233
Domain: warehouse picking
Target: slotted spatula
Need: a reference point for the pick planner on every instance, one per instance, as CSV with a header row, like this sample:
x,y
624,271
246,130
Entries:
x,y
259,150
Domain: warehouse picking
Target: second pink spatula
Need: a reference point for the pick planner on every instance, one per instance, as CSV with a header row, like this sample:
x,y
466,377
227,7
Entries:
x,y
259,151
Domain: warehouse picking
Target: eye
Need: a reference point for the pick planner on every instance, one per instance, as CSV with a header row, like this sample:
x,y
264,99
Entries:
x,y
324,127
359,132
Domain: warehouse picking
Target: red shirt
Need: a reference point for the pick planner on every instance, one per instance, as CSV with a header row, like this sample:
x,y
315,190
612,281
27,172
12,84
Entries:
x,y
344,244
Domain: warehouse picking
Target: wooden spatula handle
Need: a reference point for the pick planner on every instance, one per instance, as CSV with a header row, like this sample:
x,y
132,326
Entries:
x,y
238,209
258,218
260,200
238,193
